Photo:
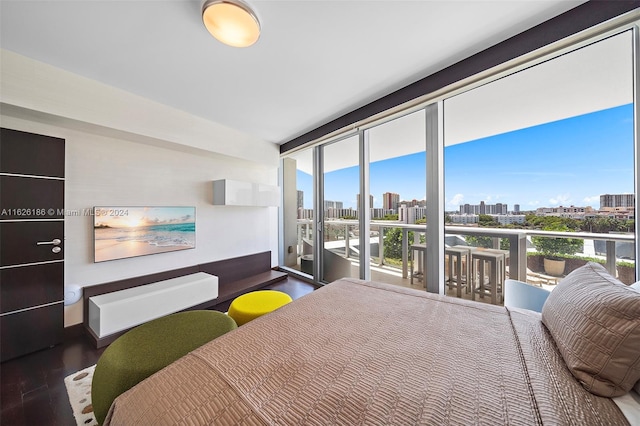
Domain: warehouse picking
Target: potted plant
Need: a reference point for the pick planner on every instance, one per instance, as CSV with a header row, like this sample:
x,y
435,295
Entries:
x,y
626,272
553,249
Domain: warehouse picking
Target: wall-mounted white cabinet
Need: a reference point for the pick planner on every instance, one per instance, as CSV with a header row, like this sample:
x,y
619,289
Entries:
x,y
228,192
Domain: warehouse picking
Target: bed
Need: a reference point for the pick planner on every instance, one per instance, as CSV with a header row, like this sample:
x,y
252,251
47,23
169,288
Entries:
x,y
357,352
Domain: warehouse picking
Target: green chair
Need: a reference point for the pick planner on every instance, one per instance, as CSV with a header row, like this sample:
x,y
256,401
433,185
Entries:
x,y
148,348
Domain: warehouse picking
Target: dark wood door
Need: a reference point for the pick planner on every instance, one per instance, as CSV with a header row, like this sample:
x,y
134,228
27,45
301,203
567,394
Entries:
x,y
31,242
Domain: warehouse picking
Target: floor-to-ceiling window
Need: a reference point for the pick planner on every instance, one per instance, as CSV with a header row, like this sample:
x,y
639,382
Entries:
x,y
535,162
397,175
549,148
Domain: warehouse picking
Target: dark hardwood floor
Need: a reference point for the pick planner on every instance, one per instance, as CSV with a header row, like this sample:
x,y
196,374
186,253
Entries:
x,y
33,390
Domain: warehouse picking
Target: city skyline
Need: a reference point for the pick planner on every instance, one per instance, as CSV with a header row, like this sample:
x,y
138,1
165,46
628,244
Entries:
x,y
548,165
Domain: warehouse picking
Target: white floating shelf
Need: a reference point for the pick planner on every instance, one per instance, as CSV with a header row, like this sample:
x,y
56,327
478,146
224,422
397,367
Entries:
x,y
228,192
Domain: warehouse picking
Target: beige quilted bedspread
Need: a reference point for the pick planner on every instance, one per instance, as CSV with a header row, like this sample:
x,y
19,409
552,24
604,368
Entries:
x,y
361,353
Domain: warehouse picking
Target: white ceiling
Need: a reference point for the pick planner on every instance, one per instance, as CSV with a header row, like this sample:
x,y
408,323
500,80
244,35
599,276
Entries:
x,y
315,60
596,77
592,78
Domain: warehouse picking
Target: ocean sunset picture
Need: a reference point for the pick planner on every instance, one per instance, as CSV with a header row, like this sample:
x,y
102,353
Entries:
x,y
122,232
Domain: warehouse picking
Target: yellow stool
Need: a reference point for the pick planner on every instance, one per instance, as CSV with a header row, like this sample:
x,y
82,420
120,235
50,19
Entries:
x,y
256,303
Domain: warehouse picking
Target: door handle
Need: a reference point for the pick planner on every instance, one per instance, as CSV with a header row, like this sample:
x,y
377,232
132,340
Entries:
x,y
54,242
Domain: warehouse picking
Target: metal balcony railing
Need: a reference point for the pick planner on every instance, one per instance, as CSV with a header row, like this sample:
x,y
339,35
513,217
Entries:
x,y
517,241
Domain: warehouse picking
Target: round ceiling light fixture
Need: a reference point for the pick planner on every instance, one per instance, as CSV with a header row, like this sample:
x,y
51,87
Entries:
x,y
231,21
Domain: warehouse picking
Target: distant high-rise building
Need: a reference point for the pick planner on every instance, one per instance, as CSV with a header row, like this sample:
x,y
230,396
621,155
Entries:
x,y
516,208
300,199
501,218
483,208
413,203
328,204
571,212
409,214
378,213
305,213
617,200
499,209
338,213
508,219
370,200
390,201
464,218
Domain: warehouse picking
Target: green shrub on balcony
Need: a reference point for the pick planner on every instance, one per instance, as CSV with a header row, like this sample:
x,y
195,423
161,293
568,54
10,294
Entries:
x,y
486,242
625,264
393,242
554,248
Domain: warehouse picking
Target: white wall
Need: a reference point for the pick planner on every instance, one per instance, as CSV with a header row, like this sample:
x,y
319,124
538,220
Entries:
x,y
105,171
126,163
36,86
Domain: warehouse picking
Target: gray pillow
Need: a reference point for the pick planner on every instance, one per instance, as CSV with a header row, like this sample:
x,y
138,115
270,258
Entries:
x,y
594,320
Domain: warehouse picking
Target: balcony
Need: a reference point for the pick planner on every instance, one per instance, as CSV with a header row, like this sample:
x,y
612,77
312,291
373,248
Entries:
x,y
521,260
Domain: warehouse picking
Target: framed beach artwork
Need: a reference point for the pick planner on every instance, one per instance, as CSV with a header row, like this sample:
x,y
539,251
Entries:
x,y
122,232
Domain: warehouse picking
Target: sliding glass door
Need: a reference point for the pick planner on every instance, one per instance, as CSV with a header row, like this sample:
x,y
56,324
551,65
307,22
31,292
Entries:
x,y
340,209
397,170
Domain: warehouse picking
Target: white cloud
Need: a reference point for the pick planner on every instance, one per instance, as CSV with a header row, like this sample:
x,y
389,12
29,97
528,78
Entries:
x,y
560,199
456,200
591,199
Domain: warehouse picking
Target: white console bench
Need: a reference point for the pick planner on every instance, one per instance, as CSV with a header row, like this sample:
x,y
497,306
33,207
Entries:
x,y
120,310
235,276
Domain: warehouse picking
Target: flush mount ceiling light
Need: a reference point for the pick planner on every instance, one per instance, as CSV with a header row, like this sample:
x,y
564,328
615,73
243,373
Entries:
x,y
231,21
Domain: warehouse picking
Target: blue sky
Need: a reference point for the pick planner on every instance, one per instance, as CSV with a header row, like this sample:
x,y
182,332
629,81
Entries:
x,y
566,162
130,217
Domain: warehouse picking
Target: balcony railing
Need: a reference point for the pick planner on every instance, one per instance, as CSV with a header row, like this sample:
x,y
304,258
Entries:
x,y
517,241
